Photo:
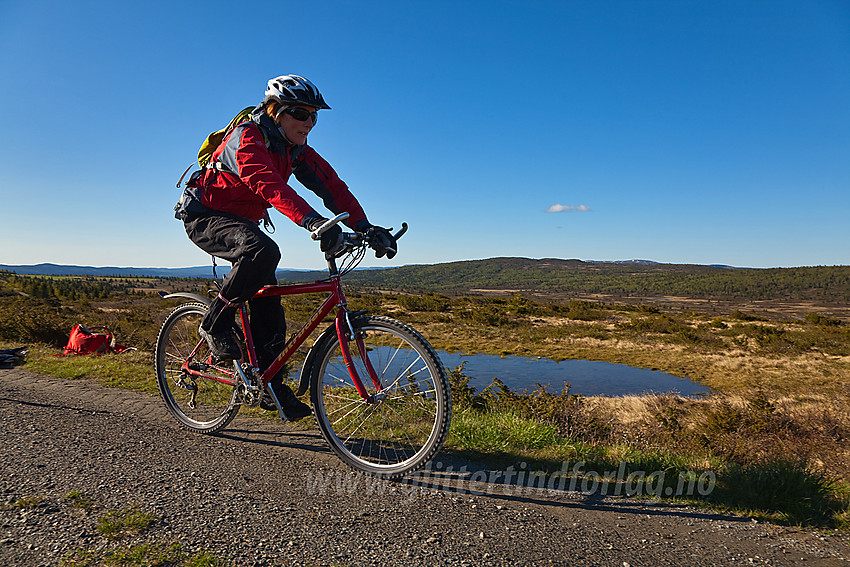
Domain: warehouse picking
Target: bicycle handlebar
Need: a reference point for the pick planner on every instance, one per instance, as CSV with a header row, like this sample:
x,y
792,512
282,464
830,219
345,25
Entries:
x,y
353,244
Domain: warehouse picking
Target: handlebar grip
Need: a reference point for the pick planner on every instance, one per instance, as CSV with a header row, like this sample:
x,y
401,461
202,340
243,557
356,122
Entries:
x,y
399,234
317,234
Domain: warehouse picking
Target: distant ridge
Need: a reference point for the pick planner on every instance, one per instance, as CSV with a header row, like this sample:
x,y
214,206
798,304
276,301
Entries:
x,y
640,262
654,263
48,269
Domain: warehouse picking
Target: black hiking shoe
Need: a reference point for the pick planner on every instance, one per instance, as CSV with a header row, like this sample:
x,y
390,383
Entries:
x,y
222,345
293,408
267,403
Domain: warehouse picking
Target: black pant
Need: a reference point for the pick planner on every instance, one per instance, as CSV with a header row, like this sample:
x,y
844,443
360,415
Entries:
x,y
254,257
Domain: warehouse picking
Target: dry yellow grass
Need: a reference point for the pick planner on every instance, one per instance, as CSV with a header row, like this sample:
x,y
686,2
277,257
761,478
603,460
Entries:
x,y
811,427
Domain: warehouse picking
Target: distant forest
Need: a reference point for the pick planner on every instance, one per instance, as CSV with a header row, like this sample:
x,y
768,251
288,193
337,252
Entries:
x,y
827,284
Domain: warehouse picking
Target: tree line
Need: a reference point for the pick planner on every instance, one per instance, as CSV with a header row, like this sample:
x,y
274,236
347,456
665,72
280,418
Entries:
x,y
822,283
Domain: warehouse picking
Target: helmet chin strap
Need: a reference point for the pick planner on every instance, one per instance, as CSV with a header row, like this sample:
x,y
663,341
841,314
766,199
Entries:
x,y
282,133
279,127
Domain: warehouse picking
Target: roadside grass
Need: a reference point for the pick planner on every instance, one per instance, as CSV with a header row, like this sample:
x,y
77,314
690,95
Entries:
x,y
119,523
786,491
131,370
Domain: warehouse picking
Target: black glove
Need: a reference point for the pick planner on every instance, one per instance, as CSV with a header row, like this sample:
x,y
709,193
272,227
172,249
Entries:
x,y
331,239
381,241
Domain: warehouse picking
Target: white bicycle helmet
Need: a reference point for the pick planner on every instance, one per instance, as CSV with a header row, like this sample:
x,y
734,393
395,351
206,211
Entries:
x,y
291,90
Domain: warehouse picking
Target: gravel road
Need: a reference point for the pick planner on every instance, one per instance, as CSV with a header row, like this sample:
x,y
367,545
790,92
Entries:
x,y
267,493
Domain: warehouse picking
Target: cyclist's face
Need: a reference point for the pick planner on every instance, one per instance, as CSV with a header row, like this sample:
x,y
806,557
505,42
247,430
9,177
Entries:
x,y
295,130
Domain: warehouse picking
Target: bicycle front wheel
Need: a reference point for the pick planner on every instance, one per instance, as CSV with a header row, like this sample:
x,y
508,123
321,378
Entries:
x,y
197,390
401,418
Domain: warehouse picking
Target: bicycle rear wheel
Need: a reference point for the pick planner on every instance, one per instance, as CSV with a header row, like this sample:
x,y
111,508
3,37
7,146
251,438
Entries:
x,y
405,421
197,391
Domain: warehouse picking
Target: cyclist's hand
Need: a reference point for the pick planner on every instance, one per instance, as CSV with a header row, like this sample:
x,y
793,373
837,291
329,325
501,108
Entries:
x,y
381,241
331,240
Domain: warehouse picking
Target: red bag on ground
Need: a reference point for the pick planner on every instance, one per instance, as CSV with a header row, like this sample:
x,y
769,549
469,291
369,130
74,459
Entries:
x,y
84,341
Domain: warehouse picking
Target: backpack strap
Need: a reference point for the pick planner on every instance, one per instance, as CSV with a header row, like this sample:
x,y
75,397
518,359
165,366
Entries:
x,y
179,181
267,222
218,166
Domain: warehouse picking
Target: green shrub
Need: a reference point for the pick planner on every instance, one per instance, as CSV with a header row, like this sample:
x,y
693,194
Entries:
x,y
822,320
662,324
786,489
30,320
741,316
585,311
424,302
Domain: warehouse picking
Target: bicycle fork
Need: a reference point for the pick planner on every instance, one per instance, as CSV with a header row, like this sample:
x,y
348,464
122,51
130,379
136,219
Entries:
x,y
346,333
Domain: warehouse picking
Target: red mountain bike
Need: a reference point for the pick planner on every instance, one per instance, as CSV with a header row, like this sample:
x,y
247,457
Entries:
x,y
379,392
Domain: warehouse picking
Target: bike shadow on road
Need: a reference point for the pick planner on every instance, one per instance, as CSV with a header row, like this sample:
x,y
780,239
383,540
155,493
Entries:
x,y
460,478
54,406
276,435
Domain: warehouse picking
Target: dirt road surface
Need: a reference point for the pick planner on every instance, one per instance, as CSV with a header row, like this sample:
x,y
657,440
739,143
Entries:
x,y
266,493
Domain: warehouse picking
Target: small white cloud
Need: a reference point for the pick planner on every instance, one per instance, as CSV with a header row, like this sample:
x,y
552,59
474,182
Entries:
x,y
568,209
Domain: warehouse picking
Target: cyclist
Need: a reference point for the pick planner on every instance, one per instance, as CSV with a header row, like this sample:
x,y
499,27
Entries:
x,y
248,173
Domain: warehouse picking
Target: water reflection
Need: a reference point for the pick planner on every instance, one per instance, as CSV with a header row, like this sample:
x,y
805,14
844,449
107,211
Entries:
x,y
588,378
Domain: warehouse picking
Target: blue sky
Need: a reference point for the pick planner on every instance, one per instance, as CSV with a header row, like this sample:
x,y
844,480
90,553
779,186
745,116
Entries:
x,y
676,131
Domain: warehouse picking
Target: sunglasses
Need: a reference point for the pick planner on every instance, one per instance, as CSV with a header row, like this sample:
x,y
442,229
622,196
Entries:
x,y
301,114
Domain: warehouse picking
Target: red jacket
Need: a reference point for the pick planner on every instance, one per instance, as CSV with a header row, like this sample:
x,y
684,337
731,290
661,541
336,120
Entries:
x,y
253,165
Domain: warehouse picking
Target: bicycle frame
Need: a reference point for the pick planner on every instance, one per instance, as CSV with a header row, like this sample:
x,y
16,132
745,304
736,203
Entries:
x,y
342,324
342,328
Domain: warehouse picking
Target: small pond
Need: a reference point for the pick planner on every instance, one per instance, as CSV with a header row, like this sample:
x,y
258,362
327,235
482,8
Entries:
x,y
585,377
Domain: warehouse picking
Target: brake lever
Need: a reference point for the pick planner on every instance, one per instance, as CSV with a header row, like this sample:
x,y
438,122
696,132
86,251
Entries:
x,y
395,236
